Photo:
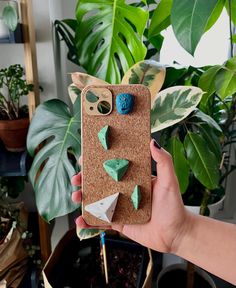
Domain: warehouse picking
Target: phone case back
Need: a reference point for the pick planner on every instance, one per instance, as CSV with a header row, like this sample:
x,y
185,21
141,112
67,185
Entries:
x,y
129,138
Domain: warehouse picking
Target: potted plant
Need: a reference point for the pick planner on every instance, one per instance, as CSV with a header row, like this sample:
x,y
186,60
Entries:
x,y
13,223
8,18
18,251
14,120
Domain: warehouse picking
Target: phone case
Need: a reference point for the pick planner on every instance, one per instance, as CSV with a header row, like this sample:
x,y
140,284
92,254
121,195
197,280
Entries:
x,y
114,191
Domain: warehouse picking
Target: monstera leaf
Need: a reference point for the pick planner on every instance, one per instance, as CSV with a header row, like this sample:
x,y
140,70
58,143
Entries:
x,y
109,37
149,73
174,104
57,130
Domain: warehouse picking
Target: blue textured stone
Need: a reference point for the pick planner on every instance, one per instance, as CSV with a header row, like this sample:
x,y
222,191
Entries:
x,y
124,103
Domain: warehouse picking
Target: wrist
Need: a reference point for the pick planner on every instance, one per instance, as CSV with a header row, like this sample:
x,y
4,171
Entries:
x,y
183,234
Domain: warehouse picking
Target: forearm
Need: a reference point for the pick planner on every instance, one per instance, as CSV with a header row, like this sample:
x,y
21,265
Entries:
x,y
209,244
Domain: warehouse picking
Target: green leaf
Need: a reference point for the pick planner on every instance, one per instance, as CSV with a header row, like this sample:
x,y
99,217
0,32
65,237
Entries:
x,y
189,20
231,64
202,161
173,75
225,82
233,9
204,118
72,23
52,168
160,18
63,32
211,139
10,18
176,149
215,14
172,105
156,41
109,37
234,38
207,84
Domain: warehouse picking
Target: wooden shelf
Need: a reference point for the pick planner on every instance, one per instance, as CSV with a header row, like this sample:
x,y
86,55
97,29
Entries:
x,y
31,70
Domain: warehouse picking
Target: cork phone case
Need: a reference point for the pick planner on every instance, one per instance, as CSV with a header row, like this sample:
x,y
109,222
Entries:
x,y
112,190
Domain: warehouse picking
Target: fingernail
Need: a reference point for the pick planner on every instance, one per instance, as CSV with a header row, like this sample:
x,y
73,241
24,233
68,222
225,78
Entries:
x,y
157,145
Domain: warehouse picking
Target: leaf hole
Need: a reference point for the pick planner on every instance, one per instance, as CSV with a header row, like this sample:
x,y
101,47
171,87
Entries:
x,y
131,25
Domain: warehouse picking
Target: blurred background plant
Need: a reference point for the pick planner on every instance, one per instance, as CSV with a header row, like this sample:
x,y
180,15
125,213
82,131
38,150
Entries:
x,y
13,87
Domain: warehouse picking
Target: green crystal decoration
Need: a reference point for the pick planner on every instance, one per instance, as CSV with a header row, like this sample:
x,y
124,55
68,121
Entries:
x,y
103,137
116,168
136,197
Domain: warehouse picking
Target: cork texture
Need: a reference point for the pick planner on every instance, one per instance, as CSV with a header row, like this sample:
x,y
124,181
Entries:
x,y
129,138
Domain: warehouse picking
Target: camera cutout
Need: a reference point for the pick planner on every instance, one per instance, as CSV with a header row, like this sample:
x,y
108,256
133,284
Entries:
x,y
98,101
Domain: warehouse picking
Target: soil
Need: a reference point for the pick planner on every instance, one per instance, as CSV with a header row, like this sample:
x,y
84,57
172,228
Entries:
x,y
178,279
87,271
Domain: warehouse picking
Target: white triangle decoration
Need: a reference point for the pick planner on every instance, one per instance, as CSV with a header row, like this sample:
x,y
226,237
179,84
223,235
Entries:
x,y
104,208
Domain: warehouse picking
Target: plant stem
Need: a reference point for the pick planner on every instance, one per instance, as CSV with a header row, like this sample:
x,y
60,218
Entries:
x,y
205,201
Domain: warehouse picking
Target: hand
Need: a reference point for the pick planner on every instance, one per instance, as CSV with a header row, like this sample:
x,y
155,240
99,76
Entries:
x,y
169,217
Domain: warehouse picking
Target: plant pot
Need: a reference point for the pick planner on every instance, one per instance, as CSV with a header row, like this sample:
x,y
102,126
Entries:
x,y
175,276
216,207
213,208
76,263
13,134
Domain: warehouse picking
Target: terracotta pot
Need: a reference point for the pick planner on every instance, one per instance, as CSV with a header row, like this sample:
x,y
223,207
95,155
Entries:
x,y
13,134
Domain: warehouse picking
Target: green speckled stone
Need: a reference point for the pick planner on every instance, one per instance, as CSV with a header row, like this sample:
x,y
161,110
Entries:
x,y
116,168
103,137
136,197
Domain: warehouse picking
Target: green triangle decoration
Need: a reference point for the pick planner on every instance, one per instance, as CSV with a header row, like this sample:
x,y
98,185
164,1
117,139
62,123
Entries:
x,y
103,137
136,197
116,168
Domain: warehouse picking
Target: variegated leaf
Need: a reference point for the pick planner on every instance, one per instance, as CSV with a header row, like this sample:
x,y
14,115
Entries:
x,y
74,92
149,73
83,233
80,80
174,104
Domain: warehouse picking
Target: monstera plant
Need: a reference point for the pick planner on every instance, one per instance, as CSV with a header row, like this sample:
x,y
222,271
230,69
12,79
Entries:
x,y
110,40
58,131
107,38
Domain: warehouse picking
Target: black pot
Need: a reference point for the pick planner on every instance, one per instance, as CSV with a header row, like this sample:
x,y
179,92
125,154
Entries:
x,y
79,264
175,276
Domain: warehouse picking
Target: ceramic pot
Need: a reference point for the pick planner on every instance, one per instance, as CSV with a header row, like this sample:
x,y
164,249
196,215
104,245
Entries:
x,y
13,134
213,208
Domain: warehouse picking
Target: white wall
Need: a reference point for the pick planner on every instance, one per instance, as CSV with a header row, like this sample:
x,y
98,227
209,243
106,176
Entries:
x,y
212,49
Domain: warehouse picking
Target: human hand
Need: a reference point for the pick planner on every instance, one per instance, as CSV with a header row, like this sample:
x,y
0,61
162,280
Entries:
x,y
169,217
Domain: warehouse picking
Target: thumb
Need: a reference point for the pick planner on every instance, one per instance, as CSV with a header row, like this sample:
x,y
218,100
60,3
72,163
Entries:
x,y
164,163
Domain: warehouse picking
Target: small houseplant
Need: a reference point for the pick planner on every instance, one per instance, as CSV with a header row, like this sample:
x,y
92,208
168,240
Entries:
x,y
8,18
14,120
